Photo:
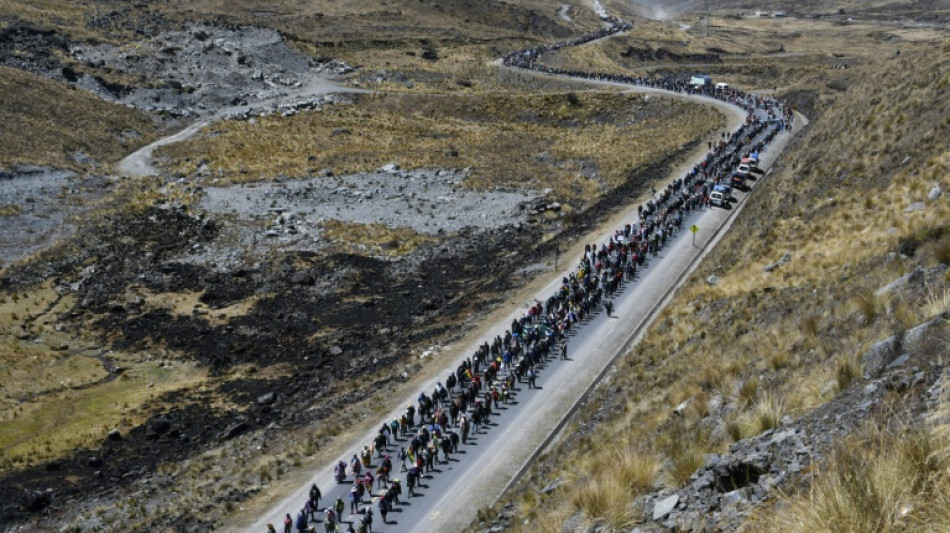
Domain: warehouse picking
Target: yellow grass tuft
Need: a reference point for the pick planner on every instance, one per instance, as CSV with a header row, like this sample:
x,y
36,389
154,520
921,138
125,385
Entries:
x,y
883,479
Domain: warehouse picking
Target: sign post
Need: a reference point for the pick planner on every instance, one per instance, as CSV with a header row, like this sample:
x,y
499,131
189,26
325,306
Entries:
x,y
694,229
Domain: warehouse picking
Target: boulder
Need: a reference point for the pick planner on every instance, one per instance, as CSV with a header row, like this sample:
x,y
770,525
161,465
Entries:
x,y
935,193
36,501
910,277
114,435
665,506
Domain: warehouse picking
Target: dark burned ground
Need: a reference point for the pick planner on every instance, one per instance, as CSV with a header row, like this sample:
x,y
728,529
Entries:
x,y
376,311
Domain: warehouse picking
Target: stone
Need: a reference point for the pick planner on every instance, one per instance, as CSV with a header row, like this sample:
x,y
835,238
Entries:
x,y
266,399
160,426
391,167
712,280
679,409
114,435
935,193
302,278
784,259
236,430
665,506
552,486
36,501
734,497
782,436
94,462
911,276
898,362
916,206
335,350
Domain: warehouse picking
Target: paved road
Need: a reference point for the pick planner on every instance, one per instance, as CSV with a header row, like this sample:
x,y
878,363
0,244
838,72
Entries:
x,y
450,497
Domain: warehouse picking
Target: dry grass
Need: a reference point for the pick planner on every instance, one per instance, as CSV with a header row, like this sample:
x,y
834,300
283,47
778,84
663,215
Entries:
x,y
62,121
611,480
10,210
538,141
39,431
798,333
376,240
885,479
188,304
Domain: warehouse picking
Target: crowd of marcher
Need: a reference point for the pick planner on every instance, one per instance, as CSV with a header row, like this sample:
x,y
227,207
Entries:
x,y
430,430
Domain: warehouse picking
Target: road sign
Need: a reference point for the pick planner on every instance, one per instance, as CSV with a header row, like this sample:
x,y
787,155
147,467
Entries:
x,y
694,228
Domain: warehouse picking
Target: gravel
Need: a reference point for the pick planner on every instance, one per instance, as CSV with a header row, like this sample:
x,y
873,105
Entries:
x,y
288,214
203,69
48,199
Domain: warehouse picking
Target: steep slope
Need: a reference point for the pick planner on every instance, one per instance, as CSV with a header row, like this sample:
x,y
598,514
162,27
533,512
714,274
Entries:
x,y
63,122
754,344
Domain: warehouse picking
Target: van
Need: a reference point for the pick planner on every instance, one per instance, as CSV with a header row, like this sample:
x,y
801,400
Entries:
x,y
722,86
700,81
718,199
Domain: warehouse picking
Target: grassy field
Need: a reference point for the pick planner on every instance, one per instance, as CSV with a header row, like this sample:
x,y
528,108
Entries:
x,y
757,54
52,369
581,145
61,121
837,204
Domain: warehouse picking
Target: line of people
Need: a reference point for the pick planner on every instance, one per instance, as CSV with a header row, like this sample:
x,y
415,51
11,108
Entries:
x,y
441,421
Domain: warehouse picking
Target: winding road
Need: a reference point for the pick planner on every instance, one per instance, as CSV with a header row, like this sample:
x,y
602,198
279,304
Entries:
x,y
475,477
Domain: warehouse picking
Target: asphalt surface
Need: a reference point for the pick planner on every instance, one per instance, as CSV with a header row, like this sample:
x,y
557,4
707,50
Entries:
x,y
448,498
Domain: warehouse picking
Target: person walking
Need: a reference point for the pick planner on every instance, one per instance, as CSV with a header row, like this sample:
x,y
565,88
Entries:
x,y
271,529
531,378
609,306
383,509
339,507
288,524
315,495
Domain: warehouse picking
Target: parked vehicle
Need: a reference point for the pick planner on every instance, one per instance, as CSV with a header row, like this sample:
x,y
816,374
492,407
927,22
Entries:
x,y
738,181
720,196
701,81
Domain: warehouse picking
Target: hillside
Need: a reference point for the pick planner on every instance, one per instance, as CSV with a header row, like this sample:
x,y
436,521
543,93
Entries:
x,y
364,189
752,350
193,315
68,128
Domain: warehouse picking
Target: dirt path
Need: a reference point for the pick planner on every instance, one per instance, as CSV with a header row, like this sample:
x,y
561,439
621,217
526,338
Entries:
x,y
141,162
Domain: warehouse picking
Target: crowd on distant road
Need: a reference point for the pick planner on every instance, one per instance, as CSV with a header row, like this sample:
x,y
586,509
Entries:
x,y
433,428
